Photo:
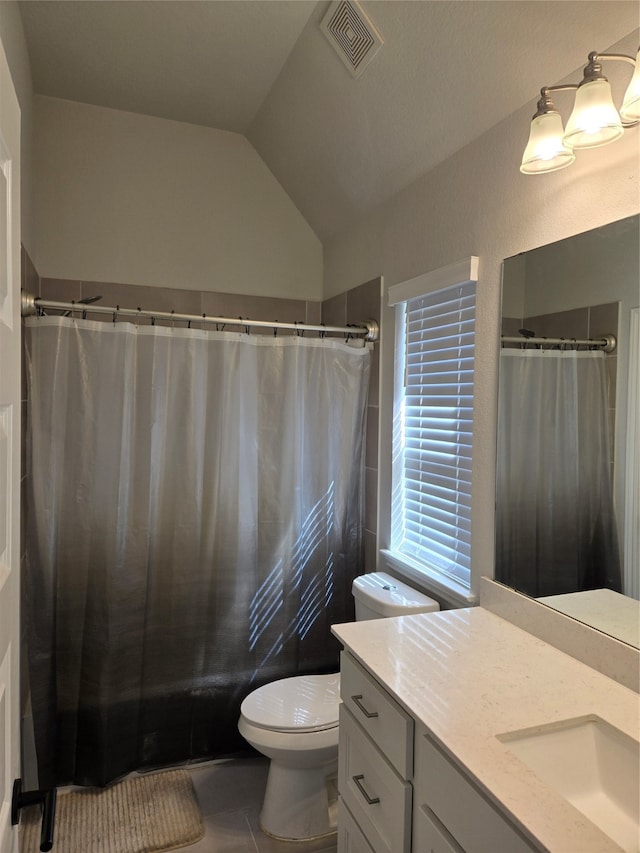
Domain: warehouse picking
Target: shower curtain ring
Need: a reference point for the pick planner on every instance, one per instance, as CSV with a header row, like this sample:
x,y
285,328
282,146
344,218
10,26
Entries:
x,y
115,314
323,332
138,317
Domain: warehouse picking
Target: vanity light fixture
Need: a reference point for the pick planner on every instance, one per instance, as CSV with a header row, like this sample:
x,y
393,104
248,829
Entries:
x,y
594,121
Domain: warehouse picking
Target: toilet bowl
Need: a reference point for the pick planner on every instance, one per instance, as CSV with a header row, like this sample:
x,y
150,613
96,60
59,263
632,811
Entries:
x,y
294,722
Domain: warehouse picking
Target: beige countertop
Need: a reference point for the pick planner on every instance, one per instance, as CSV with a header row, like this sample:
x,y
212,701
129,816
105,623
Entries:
x,y
468,676
608,611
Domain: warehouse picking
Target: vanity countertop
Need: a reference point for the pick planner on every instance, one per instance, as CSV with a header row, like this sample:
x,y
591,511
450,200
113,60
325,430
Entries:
x,y
468,676
611,612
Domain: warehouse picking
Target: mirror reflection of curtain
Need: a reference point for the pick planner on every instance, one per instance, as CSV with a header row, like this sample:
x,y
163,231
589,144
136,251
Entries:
x,y
555,525
195,523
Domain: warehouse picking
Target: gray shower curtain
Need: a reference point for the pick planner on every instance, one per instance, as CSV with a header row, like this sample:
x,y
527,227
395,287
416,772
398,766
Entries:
x,y
555,523
194,526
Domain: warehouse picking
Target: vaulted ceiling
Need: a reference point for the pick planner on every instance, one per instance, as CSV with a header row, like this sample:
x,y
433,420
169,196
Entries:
x,y
448,70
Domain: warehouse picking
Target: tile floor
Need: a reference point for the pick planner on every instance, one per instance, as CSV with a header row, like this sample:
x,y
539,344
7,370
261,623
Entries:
x,y
230,796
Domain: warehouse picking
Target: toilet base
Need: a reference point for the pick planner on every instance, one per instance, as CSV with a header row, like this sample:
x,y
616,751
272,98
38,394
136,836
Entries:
x,y
300,803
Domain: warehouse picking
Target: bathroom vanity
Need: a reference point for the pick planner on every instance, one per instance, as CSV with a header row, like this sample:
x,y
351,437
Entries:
x,y
438,719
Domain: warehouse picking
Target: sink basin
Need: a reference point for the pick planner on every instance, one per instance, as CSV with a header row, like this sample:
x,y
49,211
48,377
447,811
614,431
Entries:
x,y
593,765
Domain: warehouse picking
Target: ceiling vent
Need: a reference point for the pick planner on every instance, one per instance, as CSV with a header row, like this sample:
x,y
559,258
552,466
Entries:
x,y
353,36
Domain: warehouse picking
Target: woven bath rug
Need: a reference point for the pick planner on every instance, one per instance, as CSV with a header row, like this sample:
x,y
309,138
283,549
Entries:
x,y
142,814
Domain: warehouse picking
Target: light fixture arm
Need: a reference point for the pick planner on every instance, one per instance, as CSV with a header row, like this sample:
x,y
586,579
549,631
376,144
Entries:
x,y
621,56
545,104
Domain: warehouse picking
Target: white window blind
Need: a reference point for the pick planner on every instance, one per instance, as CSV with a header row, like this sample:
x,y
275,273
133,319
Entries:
x,y
431,512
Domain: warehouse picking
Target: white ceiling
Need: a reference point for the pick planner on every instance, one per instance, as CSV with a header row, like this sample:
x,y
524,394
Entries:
x,y
448,70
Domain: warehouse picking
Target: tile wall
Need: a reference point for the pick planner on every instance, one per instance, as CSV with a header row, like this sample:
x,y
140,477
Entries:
x,y
181,301
354,306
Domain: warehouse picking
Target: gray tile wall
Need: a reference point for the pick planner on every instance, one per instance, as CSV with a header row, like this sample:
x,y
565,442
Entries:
x,y
182,302
354,306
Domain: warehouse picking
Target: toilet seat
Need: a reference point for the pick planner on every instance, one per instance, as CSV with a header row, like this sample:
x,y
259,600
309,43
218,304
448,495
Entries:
x,y
302,703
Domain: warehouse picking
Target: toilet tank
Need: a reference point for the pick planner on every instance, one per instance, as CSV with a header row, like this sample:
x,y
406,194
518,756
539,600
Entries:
x,y
378,595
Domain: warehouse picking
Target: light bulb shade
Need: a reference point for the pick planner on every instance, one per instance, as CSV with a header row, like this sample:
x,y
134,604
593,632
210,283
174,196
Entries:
x,y
594,120
545,151
630,109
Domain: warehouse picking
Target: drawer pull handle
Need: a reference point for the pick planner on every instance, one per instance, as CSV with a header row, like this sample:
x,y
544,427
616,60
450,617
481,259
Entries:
x,y
368,714
370,800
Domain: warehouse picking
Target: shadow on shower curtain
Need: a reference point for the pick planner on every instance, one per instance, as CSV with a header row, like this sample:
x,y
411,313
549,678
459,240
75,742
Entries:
x,y
194,526
555,524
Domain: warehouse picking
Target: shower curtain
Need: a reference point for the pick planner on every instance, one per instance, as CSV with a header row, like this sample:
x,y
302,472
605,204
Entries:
x,y
194,526
555,525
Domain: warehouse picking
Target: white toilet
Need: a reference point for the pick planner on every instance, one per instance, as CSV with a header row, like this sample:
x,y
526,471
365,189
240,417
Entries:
x,y
294,722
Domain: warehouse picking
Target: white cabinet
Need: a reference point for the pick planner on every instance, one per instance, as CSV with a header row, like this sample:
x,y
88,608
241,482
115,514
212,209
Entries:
x,y
351,838
400,793
430,835
387,724
374,764
448,803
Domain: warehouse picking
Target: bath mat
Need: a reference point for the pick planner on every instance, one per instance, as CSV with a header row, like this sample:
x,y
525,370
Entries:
x,y
142,814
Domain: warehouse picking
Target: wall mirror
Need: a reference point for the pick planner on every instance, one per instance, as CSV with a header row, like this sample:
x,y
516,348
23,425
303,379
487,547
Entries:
x,y
567,477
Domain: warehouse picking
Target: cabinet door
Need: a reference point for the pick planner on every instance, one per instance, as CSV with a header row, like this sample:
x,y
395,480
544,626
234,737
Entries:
x,y
429,836
378,799
350,837
474,822
386,723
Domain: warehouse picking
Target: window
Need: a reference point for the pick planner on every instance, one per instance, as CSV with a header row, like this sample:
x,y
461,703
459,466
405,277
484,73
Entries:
x,y
430,533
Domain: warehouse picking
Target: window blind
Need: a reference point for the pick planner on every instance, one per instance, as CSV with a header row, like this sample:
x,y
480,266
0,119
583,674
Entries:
x,y
434,425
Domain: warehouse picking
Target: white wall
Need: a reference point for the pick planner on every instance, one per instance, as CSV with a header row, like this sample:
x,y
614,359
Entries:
x,y
478,203
134,199
15,48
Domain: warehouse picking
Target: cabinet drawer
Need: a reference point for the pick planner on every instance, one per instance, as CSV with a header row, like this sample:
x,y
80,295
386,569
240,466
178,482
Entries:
x,y
474,822
386,723
429,836
378,799
350,837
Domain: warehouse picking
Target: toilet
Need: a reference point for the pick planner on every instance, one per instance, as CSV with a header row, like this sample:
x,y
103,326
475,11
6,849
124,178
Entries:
x,y
294,722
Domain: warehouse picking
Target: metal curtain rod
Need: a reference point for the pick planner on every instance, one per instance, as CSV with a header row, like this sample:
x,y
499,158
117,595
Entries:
x,y
606,342
31,305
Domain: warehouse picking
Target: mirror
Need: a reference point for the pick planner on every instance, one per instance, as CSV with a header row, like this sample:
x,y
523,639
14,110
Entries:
x,y
564,530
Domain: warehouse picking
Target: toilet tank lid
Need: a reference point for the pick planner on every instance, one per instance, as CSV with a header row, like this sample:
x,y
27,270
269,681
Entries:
x,y
390,597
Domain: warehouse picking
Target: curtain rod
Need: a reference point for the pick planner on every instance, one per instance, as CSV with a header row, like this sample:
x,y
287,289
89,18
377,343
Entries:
x,y
32,305
605,342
